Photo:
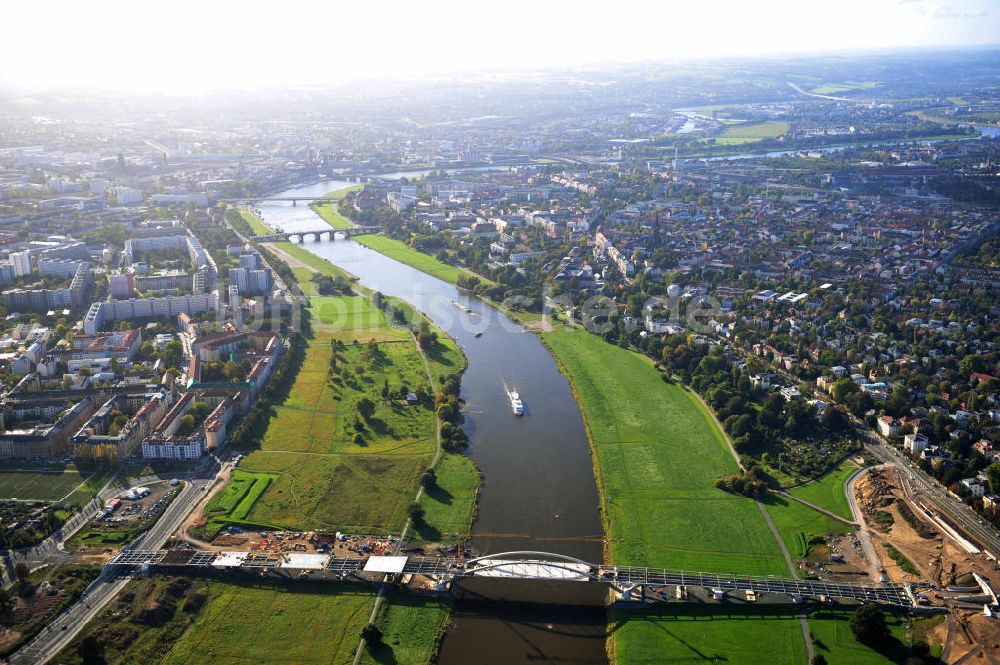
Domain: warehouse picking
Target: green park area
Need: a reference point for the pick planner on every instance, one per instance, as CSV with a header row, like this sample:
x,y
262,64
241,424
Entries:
x,y
752,132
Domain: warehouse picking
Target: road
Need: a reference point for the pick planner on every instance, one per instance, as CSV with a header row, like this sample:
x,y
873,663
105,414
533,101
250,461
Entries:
x,y
874,564
61,630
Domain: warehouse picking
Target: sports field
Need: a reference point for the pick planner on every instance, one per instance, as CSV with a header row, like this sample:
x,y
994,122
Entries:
x,y
658,455
34,483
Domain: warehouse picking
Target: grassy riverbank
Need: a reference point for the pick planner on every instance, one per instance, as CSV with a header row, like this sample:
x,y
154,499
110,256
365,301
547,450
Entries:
x,y
255,222
400,251
329,212
657,452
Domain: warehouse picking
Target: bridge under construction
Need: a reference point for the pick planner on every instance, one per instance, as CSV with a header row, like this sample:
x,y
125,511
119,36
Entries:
x,y
538,566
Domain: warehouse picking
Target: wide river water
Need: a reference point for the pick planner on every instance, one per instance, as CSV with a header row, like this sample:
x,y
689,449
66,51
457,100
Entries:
x,y
538,491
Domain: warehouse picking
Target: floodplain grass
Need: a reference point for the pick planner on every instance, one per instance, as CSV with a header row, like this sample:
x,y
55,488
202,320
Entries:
x,y
451,505
707,634
357,493
658,455
400,251
27,482
829,490
800,525
324,479
267,622
833,638
329,213
409,626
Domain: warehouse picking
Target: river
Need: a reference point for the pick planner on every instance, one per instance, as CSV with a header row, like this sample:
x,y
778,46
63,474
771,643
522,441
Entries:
x,y
538,491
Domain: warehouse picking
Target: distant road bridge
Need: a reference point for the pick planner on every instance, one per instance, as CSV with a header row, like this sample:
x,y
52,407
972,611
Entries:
x,y
523,565
294,199
316,234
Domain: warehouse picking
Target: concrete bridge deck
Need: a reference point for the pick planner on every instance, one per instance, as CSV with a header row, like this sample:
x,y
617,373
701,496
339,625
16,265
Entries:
x,y
513,566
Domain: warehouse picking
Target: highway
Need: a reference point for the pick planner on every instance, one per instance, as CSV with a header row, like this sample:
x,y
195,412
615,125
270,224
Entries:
x,y
61,630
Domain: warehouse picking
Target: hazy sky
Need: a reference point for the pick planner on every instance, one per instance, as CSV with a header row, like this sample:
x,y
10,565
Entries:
x,y
184,45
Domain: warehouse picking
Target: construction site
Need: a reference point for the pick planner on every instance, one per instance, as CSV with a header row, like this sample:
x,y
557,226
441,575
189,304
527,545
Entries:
x,y
916,545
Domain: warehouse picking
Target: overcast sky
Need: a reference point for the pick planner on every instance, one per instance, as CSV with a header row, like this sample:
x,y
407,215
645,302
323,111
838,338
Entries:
x,y
183,45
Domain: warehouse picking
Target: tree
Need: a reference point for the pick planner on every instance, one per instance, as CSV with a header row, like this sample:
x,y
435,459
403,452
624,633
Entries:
x,y
835,419
366,408
416,513
187,425
371,634
868,625
429,479
993,475
842,388
972,363
819,659
90,650
21,571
